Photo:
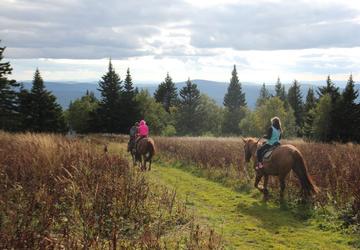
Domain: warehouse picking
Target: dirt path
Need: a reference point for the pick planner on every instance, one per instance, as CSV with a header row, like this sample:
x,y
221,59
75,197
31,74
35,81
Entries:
x,y
243,221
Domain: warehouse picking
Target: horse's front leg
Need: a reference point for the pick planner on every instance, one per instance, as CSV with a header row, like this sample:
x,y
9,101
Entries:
x,y
144,163
140,162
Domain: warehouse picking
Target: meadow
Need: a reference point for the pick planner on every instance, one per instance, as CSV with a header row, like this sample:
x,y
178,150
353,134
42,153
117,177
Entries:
x,y
60,193
335,168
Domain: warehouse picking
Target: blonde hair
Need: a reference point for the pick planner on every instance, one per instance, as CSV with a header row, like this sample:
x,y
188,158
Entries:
x,y
275,121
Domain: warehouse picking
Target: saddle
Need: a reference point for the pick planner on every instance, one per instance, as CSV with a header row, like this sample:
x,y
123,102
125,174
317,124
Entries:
x,y
268,153
137,141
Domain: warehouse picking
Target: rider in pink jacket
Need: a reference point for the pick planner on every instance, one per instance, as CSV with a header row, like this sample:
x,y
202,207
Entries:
x,y
143,130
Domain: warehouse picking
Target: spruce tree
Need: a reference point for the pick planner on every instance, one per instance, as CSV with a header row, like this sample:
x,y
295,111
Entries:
x,y
234,98
39,109
310,102
166,93
188,117
309,107
8,96
263,96
108,115
280,90
329,89
234,102
129,104
295,101
25,109
335,113
348,113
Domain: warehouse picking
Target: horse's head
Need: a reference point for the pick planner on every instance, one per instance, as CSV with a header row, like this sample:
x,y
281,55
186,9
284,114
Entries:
x,y
250,146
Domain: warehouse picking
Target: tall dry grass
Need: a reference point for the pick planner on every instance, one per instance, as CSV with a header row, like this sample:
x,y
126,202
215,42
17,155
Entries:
x,y
59,193
335,168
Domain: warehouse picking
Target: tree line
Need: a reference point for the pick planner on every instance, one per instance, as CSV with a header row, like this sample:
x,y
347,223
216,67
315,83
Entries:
x,y
326,114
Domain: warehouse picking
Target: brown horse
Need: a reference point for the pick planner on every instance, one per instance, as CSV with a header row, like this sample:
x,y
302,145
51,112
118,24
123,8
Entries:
x,y
283,159
145,150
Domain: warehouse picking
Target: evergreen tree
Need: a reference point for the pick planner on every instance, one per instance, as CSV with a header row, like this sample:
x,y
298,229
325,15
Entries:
x,y
166,93
129,104
280,90
39,110
310,102
25,109
335,112
295,101
329,89
188,116
234,98
234,102
309,107
128,85
263,96
8,96
108,115
348,113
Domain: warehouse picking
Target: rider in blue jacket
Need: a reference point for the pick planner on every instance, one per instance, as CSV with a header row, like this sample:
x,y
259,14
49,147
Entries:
x,y
273,137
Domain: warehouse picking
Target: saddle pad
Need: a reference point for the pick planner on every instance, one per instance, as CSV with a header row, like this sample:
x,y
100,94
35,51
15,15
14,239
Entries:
x,y
268,154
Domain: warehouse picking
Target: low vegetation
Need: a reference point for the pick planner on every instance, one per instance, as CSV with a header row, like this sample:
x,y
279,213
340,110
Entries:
x,y
62,193
334,168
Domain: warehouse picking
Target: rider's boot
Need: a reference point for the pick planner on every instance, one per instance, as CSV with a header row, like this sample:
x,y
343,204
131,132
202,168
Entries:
x,y
259,165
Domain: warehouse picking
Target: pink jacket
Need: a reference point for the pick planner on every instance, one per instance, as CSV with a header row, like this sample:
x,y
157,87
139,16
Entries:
x,y
143,129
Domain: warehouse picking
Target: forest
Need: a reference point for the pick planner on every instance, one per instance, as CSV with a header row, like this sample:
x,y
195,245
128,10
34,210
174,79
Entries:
x,y
324,114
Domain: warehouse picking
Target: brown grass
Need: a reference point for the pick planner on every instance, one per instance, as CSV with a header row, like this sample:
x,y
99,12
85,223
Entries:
x,y
61,193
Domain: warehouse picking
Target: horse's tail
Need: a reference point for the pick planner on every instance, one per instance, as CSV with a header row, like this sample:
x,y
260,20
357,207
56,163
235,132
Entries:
x,y
151,148
300,169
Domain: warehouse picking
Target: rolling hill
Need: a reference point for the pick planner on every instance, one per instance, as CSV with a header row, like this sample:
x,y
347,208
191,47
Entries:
x,y
66,92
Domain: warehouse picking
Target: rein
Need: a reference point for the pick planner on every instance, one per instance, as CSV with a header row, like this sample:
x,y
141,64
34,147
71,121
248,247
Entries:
x,y
258,140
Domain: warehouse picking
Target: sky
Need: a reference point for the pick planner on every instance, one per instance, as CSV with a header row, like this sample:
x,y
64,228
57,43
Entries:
x,y
73,40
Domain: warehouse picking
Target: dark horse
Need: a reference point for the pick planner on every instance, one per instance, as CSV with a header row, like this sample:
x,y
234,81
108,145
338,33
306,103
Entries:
x,y
283,159
145,150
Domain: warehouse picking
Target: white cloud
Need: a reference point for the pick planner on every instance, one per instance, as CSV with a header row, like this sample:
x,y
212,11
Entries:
x,y
304,39
253,66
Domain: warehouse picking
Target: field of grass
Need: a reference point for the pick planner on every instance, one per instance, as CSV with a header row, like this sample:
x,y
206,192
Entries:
x,y
59,193
238,214
245,222
335,168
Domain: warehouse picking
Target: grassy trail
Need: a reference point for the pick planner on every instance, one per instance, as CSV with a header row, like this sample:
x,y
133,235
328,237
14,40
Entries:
x,y
243,221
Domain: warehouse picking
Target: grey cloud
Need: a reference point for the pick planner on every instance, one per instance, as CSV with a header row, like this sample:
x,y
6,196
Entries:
x,y
277,26
97,29
83,29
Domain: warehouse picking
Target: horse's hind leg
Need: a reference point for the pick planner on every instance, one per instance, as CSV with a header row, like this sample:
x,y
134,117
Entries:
x,y
257,180
282,188
149,164
266,191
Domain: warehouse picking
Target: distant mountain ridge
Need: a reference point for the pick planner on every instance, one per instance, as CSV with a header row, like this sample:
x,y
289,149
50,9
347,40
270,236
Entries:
x,y
66,92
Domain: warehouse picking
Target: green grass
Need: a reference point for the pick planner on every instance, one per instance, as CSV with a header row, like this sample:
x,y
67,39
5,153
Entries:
x,y
236,211
243,220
